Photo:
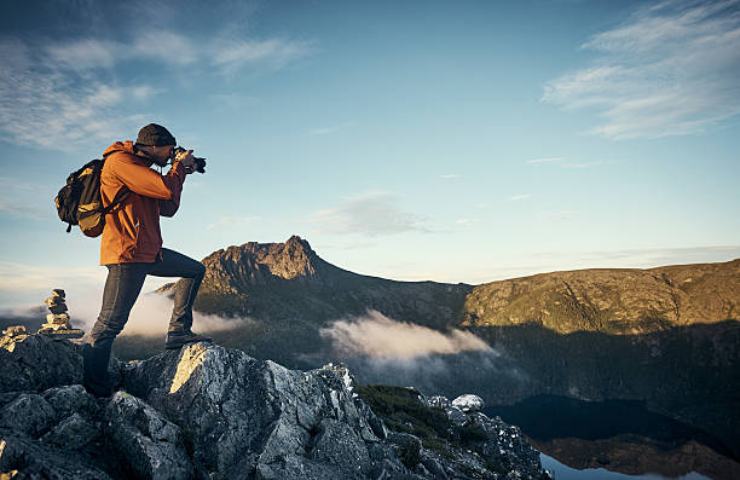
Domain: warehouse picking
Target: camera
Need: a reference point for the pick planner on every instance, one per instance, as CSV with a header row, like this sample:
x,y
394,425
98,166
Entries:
x,y
200,162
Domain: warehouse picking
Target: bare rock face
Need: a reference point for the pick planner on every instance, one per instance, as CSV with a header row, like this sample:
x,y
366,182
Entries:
x,y
207,412
263,263
468,403
28,414
151,445
35,363
250,416
22,458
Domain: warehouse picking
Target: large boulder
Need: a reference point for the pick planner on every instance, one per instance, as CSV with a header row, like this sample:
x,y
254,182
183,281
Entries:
x,y
29,414
34,363
22,458
468,403
247,417
152,446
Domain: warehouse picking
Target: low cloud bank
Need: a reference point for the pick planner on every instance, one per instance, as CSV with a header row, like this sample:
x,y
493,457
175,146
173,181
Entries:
x,y
381,350
150,315
377,336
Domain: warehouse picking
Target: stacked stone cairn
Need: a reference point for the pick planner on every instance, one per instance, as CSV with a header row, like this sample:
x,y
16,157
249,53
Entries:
x,y
57,322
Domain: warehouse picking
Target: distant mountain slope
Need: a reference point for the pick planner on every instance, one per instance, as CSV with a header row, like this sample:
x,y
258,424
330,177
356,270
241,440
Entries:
x,y
290,281
614,301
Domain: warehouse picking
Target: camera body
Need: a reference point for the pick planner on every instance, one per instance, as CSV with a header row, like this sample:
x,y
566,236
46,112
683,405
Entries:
x,y
200,162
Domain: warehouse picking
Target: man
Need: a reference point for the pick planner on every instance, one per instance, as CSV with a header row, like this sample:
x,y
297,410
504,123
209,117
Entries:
x,y
131,245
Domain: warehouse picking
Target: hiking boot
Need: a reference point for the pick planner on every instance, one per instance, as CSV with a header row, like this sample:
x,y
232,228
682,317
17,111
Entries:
x,y
176,340
95,377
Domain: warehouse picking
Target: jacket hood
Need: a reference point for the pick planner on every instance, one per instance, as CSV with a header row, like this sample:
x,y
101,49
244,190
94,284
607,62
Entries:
x,y
127,147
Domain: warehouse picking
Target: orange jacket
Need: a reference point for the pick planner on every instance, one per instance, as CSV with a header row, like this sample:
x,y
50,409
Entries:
x,y
131,232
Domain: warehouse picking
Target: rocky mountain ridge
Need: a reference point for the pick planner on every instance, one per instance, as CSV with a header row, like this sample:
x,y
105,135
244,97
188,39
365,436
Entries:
x,y
614,301
289,282
207,412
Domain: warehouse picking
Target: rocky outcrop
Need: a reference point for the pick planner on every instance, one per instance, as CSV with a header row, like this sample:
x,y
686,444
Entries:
x,y
207,412
44,364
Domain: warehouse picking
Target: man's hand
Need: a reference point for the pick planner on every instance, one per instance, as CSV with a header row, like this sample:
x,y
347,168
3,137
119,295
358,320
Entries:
x,y
187,160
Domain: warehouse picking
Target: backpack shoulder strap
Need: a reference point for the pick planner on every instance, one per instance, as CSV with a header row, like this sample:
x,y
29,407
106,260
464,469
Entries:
x,y
121,195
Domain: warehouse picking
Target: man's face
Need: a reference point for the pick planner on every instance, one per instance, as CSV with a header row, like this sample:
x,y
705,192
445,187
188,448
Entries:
x,y
163,153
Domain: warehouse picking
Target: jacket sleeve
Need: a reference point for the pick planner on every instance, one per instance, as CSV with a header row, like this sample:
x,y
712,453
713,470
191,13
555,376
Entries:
x,y
168,208
148,183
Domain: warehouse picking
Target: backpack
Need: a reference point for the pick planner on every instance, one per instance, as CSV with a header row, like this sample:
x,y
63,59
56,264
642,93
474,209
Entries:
x,y
79,202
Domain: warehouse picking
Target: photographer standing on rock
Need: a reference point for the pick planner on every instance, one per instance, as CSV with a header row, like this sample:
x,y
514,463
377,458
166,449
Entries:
x,y
131,244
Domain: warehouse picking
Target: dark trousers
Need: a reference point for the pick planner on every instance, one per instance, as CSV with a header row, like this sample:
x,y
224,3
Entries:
x,y
122,287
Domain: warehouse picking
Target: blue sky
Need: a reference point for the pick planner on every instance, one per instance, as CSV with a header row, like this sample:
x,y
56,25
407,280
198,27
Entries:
x,y
451,141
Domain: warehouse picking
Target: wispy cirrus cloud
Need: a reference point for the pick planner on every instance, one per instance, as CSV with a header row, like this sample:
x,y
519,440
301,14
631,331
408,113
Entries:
x,y
671,69
371,214
55,93
539,161
466,221
44,105
231,55
519,197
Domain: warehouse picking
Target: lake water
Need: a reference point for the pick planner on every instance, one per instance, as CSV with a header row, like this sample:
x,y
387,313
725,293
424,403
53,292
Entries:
x,y
564,472
615,439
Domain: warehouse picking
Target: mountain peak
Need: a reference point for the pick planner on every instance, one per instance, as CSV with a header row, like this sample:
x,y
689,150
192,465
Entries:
x,y
256,263
297,242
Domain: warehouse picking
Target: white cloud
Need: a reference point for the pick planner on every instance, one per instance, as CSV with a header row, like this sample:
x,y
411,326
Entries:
x,y
466,222
537,161
647,257
522,196
57,94
43,104
450,176
277,52
377,336
85,54
151,314
22,278
164,46
84,288
371,214
671,69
